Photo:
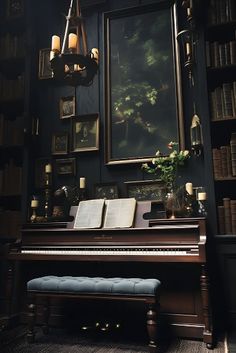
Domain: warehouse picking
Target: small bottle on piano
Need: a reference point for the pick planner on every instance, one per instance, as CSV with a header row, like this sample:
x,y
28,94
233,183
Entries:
x,y
82,189
189,200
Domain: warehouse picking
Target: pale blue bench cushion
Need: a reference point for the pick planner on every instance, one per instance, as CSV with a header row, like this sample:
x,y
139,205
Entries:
x,y
95,285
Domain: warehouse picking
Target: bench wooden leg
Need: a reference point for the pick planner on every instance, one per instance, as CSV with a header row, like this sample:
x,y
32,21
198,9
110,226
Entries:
x,y
31,320
46,315
152,328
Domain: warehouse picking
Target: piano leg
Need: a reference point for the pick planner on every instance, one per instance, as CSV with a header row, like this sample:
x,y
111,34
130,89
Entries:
x,y
207,333
31,320
152,328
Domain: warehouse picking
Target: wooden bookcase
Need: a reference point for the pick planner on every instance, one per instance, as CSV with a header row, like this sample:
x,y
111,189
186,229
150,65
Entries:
x,y
14,125
221,78
220,40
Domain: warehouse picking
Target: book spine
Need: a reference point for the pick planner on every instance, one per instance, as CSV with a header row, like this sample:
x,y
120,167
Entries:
x,y
233,215
227,211
221,219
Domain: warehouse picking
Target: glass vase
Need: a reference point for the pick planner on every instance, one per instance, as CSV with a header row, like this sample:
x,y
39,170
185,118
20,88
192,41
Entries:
x,y
173,203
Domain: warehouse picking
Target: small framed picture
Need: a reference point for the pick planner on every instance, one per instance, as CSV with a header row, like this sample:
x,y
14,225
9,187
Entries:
x,y
15,8
65,166
45,70
60,143
106,191
145,190
85,133
67,107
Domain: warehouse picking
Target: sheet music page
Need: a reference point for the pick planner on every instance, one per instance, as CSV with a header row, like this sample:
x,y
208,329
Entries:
x,y
89,214
119,213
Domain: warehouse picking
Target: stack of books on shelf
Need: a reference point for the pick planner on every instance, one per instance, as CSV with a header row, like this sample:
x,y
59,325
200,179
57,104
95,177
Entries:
x,y
11,131
227,216
224,161
11,89
12,46
223,101
10,179
221,11
221,54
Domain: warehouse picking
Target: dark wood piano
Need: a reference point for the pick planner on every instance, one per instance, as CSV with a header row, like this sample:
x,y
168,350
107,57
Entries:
x,y
172,250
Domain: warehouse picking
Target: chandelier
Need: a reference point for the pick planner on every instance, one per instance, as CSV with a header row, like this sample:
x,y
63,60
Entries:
x,y
73,65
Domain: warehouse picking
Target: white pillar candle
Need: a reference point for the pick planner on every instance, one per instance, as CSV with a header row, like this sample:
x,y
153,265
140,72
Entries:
x,y
56,43
201,196
82,183
188,49
48,168
189,188
72,41
34,203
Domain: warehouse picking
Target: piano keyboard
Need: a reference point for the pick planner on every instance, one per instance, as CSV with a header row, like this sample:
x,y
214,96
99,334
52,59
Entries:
x,y
183,250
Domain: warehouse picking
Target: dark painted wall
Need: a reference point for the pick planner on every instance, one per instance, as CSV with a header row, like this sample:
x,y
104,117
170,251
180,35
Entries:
x,y
47,19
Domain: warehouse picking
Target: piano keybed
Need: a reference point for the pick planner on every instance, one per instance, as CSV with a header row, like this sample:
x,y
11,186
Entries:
x,y
170,250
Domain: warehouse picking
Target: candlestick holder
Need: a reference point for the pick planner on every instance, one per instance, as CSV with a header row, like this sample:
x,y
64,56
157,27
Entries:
x,y
47,190
33,217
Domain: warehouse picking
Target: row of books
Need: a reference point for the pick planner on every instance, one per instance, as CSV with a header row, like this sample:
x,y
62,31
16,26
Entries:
x,y
10,224
220,54
224,160
221,11
10,179
223,101
12,46
11,131
11,89
227,216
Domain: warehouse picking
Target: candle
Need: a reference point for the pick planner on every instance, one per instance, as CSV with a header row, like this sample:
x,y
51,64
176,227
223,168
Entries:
x,y
34,203
56,43
95,54
189,188
72,41
201,196
188,49
82,183
48,168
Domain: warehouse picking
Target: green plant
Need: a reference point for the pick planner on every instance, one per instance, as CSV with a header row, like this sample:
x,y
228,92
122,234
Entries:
x,y
166,167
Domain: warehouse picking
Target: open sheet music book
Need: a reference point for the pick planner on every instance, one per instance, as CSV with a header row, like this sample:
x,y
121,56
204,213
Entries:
x,y
119,213
116,213
89,214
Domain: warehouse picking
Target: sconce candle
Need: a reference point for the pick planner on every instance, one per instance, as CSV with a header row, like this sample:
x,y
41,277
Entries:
x,y
56,44
72,41
201,196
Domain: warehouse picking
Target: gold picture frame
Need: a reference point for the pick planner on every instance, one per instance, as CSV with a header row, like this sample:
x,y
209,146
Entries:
x,y
45,71
59,143
67,107
65,166
85,133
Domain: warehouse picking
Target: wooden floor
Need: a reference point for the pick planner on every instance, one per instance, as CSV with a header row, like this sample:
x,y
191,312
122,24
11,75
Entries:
x,y
61,341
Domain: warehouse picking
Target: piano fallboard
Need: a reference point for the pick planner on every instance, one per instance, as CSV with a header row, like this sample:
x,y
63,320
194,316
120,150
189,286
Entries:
x,y
163,241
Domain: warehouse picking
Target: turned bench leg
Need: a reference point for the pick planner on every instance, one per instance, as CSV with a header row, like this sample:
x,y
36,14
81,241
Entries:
x,y
152,327
31,319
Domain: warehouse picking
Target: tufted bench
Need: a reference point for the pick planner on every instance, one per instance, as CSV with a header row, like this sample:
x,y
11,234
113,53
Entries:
x,y
129,289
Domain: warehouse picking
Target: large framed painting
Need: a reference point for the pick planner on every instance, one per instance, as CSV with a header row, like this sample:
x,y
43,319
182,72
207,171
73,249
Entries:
x,y
143,99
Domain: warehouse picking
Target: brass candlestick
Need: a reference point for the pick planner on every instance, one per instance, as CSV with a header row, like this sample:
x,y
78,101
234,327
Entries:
x,y
47,190
34,206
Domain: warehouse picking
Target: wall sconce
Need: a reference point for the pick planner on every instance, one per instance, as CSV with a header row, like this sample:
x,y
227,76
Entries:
x,y
196,136
188,5
74,66
185,38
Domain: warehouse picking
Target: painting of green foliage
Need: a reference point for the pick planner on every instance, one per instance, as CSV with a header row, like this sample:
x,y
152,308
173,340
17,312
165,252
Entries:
x,y
142,102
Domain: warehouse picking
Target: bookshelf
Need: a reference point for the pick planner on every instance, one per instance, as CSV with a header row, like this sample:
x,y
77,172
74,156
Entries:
x,y
221,79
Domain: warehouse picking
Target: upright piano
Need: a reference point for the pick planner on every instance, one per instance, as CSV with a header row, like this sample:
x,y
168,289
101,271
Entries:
x,y
174,249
